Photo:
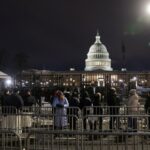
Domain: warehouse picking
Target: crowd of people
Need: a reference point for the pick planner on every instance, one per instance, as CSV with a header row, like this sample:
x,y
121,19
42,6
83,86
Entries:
x,y
16,99
83,100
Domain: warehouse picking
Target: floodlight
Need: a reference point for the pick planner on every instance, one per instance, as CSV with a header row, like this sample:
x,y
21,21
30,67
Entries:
x,y
8,82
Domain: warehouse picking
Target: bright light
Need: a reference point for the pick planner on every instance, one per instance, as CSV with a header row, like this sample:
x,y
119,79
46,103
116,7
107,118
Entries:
x,y
120,80
148,9
8,82
47,82
134,78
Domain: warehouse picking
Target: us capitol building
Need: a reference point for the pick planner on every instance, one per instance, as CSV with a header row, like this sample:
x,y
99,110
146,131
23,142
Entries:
x,y
98,57
98,73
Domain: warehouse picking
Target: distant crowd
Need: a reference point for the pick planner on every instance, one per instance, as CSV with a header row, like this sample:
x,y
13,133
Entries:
x,y
60,100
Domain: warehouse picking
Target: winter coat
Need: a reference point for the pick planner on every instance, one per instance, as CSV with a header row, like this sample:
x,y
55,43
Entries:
x,y
5,102
86,103
12,103
97,106
60,112
16,101
133,104
74,102
114,103
29,100
147,105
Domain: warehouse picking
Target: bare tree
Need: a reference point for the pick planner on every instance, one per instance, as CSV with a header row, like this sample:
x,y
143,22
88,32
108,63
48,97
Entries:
x,y
3,54
21,61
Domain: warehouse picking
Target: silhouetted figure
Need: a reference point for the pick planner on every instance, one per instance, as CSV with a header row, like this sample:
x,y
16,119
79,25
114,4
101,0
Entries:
x,y
74,102
29,100
113,102
147,108
98,109
5,101
85,102
15,101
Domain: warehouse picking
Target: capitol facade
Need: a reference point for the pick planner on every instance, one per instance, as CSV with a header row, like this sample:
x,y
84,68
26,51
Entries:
x,y
98,57
97,73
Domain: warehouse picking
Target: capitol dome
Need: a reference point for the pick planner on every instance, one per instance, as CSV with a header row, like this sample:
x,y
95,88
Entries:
x,y
98,57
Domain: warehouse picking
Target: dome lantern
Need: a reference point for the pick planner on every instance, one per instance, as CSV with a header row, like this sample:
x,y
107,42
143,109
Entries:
x,y
97,37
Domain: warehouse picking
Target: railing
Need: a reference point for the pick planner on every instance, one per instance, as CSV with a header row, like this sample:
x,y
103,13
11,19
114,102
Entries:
x,y
89,128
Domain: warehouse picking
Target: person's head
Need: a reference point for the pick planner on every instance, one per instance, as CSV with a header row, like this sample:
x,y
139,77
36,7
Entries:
x,y
6,92
132,92
16,91
98,95
67,95
112,90
60,95
148,94
75,94
28,92
85,94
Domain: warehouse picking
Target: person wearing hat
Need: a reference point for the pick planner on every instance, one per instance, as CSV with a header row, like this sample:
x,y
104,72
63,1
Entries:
x,y
133,105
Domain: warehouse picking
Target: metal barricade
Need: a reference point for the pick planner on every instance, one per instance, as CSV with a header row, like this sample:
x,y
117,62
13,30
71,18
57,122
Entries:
x,y
34,128
10,140
77,140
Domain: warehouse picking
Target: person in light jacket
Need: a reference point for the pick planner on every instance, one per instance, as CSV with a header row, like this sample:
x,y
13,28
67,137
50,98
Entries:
x,y
133,108
60,103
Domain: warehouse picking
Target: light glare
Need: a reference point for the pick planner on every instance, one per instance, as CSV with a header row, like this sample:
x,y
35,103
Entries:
x,y
8,82
148,9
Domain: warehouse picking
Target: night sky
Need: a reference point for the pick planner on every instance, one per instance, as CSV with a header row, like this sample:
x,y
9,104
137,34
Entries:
x,y
57,35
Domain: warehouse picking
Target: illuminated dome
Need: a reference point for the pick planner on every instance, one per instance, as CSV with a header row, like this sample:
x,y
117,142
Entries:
x,y
98,57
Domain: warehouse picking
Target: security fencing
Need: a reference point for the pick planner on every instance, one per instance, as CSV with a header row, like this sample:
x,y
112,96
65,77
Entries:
x,y
43,128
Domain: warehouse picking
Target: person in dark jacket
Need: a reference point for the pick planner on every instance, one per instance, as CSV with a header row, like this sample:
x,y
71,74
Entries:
x,y
85,105
5,98
74,103
98,109
147,108
29,100
16,101
113,103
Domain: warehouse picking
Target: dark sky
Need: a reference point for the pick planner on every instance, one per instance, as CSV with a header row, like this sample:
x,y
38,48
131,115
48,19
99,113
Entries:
x,y
56,35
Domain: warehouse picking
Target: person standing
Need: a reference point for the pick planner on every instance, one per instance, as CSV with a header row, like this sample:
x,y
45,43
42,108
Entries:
x,y
147,108
60,103
74,103
113,103
16,102
29,100
85,105
98,109
12,120
133,105
5,101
